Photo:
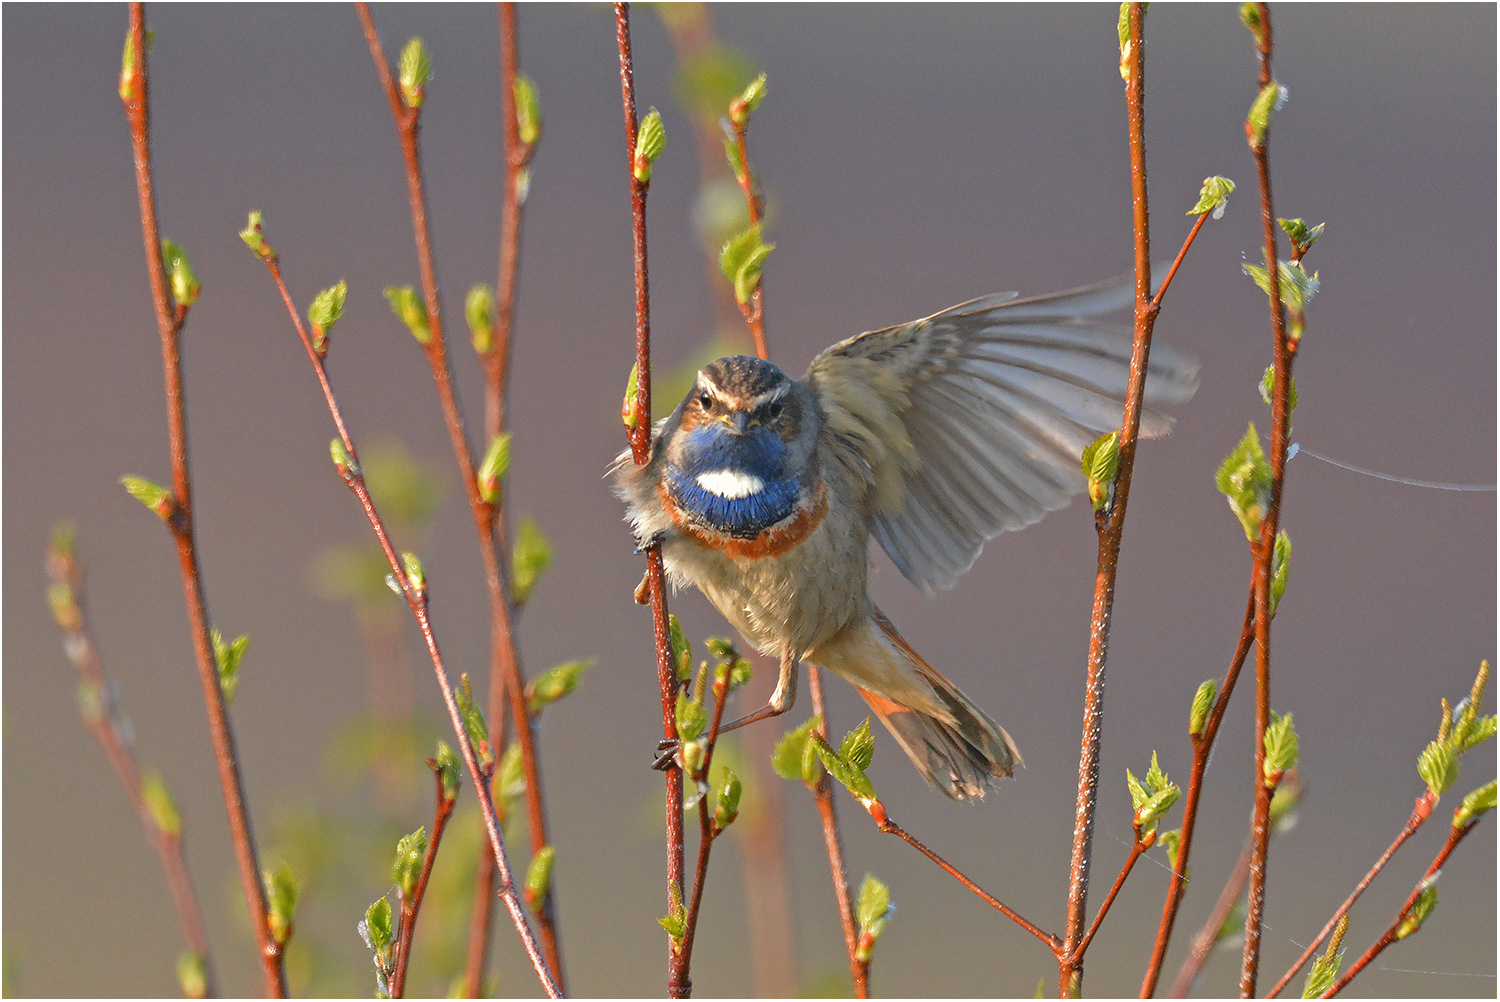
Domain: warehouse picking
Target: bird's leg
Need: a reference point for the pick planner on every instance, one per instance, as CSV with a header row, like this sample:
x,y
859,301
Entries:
x,y
781,701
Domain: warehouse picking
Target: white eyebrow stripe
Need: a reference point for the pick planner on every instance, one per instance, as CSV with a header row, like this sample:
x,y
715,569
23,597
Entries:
x,y
731,483
768,397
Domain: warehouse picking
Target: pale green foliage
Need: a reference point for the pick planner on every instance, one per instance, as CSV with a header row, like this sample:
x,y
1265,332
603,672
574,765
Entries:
x,y
1244,478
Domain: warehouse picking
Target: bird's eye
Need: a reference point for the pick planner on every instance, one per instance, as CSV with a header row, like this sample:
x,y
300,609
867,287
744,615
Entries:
x,y
705,401
774,410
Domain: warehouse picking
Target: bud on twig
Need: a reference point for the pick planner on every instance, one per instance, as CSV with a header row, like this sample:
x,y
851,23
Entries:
x,y
742,107
414,70
493,468
479,311
528,110
539,877
256,240
281,901
650,141
1244,478
228,657
873,912
153,496
1101,464
409,310
1213,196
1203,705
185,285
1281,747
407,869
327,306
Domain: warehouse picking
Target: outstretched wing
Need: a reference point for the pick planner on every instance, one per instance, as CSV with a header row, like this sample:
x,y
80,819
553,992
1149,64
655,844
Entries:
x,y
971,422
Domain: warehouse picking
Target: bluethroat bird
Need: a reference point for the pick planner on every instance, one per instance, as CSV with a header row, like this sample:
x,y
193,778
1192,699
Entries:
x,y
932,437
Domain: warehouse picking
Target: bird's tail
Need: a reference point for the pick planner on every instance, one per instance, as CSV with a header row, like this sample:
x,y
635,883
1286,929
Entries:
x,y
953,743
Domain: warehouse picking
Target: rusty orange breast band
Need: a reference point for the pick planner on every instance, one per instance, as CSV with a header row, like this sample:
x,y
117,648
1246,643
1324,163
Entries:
x,y
772,542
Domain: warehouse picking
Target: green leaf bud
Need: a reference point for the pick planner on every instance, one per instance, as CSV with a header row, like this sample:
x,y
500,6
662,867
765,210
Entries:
x,y
479,311
681,648
675,922
327,306
1281,747
1101,464
1171,844
1244,478
555,683
692,718
1301,235
1268,383
376,929
414,70
130,67
1203,705
858,746
407,869
474,725
742,107
531,555
510,780
192,975
494,467
1421,910
228,657
1438,767
1250,18
445,766
153,496
736,159
790,758
342,461
1475,805
742,259
1213,196
650,141
282,889
256,240
1271,97
412,564
408,307
185,285
629,409
1281,566
539,876
159,804
853,779
872,912
528,110
727,799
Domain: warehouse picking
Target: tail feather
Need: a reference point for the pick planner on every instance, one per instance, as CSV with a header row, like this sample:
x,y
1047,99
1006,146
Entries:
x,y
952,742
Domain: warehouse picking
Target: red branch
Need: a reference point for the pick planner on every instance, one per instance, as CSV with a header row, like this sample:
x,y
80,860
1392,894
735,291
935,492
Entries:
x,y
833,842
169,321
410,907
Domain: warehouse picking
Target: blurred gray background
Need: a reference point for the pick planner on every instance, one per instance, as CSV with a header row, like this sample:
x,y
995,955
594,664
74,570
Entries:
x,y
915,157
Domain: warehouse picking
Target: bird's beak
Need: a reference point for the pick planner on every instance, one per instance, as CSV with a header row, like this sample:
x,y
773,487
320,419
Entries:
x,y
738,420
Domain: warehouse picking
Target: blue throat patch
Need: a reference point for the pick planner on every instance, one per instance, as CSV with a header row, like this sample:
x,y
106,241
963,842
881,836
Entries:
x,y
761,454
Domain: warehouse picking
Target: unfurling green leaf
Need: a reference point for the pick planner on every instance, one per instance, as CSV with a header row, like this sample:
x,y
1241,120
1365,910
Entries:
x,y
1281,747
1421,910
153,496
555,683
1171,844
1127,46
539,876
1476,804
282,889
1250,18
1101,464
1438,767
692,718
414,70
185,285
1324,971
159,804
445,766
510,780
530,557
256,240
650,141
742,107
228,657
794,758
327,306
727,799
1295,287
873,911
479,311
1283,802
528,110
474,725
376,929
1203,705
1281,567
1151,797
1244,478
852,777
494,467
1271,97
675,922
192,975
858,746
407,869
408,307
1267,385
742,259
681,648
629,408
1301,235
1213,196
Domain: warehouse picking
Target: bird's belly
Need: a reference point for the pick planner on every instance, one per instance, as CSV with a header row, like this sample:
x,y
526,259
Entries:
x,y
788,602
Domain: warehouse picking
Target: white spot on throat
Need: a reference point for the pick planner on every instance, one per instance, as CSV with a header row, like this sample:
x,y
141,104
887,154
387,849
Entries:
x,y
731,483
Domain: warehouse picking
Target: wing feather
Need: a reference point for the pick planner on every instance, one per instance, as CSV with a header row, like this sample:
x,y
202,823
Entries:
x,y
970,423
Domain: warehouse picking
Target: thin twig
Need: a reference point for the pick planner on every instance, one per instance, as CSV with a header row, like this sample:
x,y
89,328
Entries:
x,y
833,842
100,713
1456,835
417,600
754,310
169,321
1264,548
708,831
1203,747
640,447
1208,935
1111,525
1419,815
412,906
504,659
505,673
1136,851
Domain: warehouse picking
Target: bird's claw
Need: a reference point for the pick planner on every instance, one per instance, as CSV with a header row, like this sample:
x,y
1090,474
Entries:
x,y
666,754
